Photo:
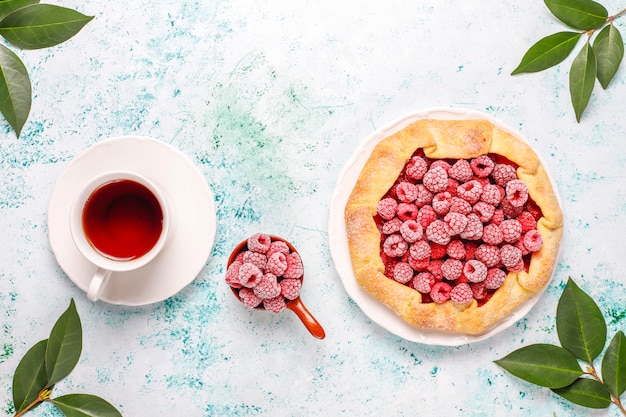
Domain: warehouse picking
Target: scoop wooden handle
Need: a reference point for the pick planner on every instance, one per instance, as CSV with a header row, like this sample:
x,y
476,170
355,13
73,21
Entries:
x,y
307,318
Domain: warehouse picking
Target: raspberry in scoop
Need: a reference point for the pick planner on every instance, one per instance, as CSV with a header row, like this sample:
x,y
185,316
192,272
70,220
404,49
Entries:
x,y
265,272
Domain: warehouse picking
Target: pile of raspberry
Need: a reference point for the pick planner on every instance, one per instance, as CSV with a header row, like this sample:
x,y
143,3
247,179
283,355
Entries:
x,y
267,274
452,229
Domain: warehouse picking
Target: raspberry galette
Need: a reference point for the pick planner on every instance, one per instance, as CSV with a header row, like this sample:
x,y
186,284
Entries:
x,y
453,224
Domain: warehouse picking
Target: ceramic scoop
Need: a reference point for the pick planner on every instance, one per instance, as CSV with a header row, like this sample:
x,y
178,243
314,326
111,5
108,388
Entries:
x,y
265,272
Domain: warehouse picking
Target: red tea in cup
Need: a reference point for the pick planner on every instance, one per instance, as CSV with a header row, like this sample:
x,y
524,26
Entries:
x,y
122,219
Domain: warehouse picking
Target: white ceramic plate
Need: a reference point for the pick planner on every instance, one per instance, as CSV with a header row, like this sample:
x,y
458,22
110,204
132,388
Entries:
x,y
374,309
192,228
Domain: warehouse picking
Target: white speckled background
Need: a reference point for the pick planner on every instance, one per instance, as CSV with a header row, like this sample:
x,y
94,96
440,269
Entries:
x,y
269,99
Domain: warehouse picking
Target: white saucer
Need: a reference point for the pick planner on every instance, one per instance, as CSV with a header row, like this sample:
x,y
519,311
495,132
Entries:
x,y
192,230
338,239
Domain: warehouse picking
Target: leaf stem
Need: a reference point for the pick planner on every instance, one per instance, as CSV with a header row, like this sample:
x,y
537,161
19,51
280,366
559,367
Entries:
x,y
614,399
44,395
610,19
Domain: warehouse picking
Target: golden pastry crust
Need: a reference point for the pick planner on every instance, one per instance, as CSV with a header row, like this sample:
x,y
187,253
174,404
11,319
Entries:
x,y
443,139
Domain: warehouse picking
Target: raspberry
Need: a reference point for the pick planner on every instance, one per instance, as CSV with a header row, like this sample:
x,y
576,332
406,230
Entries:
x,y
295,269
420,250
239,257
438,232
440,163
256,258
387,208
395,245
511,230
268,287
475,271
517,193
479,290
461,171
437,251
441,203
416,168
461,293
277,246
290,288
423,282
482,166
492,235
533,240
503,173
456,223
510,211
495,278
423,196
458,205
440,292
232,274
498,217
527,221
402,272
519,266
451,269
411,231
436,179
249,298
259,242
407,211
406,192
392,226
470,191
426,216
470,250
510,256
275,305
474,228
249,275
418,264
492,194
533,209
452,186
462,279
483,181
276,264
520,245
434,267
484,211
488,255
456,250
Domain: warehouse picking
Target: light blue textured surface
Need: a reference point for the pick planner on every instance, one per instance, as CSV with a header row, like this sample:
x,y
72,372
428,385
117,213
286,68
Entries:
x,y
269,99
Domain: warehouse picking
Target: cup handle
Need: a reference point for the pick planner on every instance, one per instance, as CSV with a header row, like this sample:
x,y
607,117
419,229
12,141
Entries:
x,y
99,280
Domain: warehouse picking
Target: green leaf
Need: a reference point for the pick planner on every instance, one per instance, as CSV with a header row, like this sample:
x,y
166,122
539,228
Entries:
x,y
548,52
580,324
15,89
64,345
85,405
30,376
586,392
609,49
582,78
8,6
41,25
614,365
578,14
542,364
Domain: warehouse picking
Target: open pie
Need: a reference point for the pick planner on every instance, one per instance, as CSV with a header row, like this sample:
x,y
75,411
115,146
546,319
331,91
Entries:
x,y
453,224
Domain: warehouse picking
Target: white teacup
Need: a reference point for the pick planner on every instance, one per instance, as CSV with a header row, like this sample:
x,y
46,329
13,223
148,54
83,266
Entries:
x,y
119,221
